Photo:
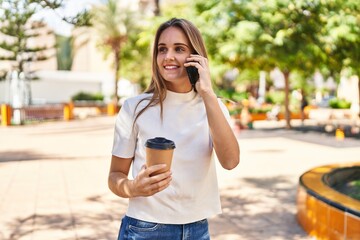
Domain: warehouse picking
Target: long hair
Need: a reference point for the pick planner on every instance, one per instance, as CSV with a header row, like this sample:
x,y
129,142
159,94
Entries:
x,y
157,85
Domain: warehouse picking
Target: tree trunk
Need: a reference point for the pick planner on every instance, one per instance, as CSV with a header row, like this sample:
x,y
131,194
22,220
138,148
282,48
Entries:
x,y
286,103
116,75
157,8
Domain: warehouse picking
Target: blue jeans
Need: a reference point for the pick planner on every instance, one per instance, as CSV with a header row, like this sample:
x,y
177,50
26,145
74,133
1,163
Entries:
x,y
133,229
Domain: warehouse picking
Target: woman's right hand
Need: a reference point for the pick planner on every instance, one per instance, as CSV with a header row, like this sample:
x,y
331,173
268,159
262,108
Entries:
x,y
145,184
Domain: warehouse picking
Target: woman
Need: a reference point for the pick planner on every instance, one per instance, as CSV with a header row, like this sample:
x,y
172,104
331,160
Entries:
x,y
175,203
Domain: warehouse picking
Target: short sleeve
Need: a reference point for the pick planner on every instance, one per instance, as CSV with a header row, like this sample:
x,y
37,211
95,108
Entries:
x,y
125,133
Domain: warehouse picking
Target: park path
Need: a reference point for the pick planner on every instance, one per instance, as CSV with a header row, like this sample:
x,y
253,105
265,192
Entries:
x,y
54,182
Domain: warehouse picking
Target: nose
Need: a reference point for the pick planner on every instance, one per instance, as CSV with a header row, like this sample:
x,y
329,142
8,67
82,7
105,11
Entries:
x,y
169,56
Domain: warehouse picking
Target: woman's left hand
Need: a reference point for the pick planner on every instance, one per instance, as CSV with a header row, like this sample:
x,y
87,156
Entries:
x,y
203,85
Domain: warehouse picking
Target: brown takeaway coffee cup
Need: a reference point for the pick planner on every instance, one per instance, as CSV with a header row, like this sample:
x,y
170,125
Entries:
x,y
159,150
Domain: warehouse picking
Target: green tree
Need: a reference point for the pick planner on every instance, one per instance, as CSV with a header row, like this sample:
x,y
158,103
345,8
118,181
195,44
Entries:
x,y
341,38
67,46
64,52
114,24
281,33
157,10
19,29
136,55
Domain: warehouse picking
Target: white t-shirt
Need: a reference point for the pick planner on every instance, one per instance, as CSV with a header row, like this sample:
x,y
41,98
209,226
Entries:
x,y
193,193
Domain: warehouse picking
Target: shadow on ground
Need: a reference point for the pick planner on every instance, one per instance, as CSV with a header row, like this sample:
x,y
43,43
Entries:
x,y
90,225
260,209
74,129
25,155
253,208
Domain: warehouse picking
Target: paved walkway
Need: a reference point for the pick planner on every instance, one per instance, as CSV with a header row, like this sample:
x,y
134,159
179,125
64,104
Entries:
x,y
53,182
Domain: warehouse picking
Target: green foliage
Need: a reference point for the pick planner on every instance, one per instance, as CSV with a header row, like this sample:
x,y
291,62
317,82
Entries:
x,y
339,103
81,19
64,52
275,97
235,111
341,35
294,35
84,96
248,76
260,36
114,25
16,24
299,35
264,109
136,56
231,94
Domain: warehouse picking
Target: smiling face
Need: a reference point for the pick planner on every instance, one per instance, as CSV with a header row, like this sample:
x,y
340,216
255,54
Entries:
x,y
172,50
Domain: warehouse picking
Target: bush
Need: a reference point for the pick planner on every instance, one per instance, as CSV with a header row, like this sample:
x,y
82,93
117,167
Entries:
x,y
339,103
264,109
276,97
231,94
83,96
235,111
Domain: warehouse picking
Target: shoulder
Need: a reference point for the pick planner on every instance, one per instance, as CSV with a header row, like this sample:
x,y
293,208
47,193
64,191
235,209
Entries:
x,y
132,102
130,105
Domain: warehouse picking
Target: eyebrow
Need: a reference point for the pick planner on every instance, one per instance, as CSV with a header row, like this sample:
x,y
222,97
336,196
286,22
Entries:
x,y
176,44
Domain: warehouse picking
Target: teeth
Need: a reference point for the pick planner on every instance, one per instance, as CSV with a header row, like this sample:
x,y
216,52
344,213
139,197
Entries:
x,y
170,67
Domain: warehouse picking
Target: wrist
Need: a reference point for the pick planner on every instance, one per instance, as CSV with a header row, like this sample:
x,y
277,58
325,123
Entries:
x,y
209,96
130,188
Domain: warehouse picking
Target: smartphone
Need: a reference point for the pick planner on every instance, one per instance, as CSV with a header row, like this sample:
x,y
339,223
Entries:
x,y
193,75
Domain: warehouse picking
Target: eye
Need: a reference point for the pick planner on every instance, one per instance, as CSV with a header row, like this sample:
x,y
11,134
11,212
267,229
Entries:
x,y
179,49
162,49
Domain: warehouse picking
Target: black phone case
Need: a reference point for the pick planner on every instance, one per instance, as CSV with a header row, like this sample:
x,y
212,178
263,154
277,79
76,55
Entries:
x,y
193,74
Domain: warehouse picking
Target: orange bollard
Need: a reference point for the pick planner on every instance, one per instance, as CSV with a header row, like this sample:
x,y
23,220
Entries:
x,y
111,109
68,111
339,134
5,115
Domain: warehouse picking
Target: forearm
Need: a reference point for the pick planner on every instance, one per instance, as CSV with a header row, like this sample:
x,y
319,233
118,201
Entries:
x,y
225,143
120,185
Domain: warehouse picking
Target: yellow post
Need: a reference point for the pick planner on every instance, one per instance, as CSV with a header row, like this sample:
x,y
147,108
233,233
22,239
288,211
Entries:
x,y
68,111
339,134
111,109
5,115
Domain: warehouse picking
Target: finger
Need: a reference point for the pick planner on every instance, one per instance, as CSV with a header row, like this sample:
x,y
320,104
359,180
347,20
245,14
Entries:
x,y
192,63
193,58
155,168
197,58
142,171
157,187
160,177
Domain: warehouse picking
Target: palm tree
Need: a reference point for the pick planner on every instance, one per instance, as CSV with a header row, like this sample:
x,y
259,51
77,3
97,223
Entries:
x,y
113,22
157,11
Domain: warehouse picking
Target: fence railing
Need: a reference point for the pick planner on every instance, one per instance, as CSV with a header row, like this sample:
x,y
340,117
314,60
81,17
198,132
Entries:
x,y
46,112
62,111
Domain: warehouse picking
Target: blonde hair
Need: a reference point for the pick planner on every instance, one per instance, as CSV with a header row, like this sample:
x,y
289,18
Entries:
x,y
157,85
